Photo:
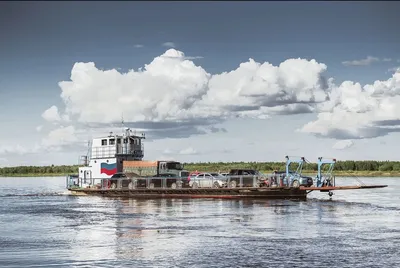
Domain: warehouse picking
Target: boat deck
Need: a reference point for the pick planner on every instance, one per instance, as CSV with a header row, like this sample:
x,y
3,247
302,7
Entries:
x,y
336,188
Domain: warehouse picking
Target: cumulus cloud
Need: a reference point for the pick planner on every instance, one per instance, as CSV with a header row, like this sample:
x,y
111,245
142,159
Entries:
x,y
343,144
169,44
258,90
173,97
60,137
355,111
363,62
56,140
51,114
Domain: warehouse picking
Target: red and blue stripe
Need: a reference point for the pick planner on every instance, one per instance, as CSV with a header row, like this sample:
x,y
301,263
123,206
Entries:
x,y
109,169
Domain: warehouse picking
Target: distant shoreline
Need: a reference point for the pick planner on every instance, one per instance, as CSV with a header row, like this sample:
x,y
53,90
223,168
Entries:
x,y
346,168
305,172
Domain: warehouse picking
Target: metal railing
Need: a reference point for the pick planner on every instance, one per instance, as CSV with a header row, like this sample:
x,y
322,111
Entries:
x,y
272,181
112,150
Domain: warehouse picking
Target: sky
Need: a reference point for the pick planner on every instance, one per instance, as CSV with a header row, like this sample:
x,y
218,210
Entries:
x,y
206,81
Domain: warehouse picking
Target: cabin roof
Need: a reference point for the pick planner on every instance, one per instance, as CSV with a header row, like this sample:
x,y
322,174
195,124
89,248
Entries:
x,y
116,136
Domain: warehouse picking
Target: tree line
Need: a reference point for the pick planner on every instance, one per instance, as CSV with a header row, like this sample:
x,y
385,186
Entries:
x,y
270,166
65,169
385,166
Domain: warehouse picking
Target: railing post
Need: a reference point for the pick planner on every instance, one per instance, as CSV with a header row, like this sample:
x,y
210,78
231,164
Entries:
x,y
241,181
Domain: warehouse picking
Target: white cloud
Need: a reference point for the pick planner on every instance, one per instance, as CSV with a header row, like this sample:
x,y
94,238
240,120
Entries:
x,y
51,114
173,90
363,62
39,128
258,90
165,89
60,137
138,46
343,144
169,44
173,97
355,112
387,60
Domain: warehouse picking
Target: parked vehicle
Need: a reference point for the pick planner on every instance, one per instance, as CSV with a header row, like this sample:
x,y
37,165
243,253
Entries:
x,y
160,180
247,176
210,180
119,177
155,168
130,180
303,180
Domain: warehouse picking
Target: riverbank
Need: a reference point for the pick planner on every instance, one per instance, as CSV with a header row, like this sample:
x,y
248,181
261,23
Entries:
x,y
311,173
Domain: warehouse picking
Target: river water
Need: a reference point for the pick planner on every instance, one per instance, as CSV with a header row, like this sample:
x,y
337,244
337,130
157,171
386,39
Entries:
x,y
41,226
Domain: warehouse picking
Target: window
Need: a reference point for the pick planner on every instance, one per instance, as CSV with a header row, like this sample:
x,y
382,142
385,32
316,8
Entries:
x,y
112,141
174,165
118,141
125,140
104,142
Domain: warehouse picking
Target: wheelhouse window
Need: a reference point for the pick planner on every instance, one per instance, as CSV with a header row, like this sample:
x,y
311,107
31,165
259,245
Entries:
x,y
104,142
118,141
112,141
175,165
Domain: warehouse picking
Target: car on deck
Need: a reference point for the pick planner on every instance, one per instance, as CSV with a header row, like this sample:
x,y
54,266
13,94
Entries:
x,y
207,180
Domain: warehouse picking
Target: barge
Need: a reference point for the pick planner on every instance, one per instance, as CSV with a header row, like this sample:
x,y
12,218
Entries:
x,y
114,167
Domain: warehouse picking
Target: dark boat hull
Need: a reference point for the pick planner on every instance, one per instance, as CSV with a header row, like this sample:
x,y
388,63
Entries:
x,y
255,193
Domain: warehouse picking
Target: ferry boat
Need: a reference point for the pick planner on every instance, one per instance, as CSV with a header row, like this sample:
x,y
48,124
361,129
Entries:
x,y
114,166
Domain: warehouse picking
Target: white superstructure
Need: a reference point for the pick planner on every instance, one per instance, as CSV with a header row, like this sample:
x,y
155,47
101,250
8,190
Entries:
x,y
106,155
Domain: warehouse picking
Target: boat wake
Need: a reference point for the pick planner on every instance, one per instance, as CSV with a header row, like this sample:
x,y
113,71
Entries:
x,y
63,193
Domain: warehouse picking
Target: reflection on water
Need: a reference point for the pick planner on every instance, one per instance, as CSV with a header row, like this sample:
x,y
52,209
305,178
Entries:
x,y
42,227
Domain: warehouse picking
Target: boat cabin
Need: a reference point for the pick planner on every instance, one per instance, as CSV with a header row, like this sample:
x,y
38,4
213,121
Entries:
x,y
106,155
117,145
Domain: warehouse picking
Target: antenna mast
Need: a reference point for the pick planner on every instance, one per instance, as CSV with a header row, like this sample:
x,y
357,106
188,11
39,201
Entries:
x,y
122,122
